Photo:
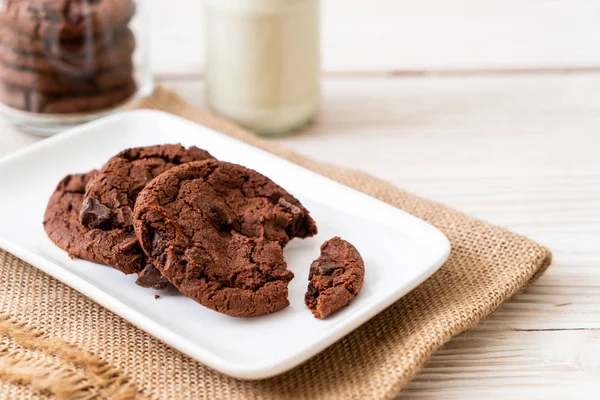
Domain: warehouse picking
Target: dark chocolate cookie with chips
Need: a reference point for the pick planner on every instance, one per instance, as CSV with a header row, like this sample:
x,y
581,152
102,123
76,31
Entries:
x,y
217,230
335,278
111,194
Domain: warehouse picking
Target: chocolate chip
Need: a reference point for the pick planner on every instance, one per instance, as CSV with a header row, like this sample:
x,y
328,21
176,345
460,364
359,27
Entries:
x,y
326,268
293,209
151,278
296,226
129,244
159,245
312,290
93,213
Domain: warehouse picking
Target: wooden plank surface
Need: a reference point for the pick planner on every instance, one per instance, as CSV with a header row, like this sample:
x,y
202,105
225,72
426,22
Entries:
x,y
408,36
512,365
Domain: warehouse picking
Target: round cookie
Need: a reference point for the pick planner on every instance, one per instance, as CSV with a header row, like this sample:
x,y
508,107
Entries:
x,y
216,231
111,194
76,52
335,278
103,60
33,101
66,19
57,83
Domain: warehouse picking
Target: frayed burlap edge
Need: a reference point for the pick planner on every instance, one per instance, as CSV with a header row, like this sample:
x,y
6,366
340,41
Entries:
x,y
103,381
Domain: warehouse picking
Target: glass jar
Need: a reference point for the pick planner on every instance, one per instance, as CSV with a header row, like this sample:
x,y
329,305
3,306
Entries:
x,y
64,62
262,62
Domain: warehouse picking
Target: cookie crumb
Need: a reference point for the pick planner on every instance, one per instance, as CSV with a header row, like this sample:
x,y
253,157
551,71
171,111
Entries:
x,y
156,296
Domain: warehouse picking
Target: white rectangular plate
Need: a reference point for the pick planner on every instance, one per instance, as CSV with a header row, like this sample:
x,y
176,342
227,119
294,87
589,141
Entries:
x,y
400,251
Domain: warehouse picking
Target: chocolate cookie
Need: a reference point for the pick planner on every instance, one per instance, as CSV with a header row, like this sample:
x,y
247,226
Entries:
x,y
58,83
111,194
216,231
104,59
34,101
335,278
65,19
80,51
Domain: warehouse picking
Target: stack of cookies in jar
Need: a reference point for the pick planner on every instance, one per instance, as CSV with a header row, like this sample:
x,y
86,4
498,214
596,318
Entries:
x,y
66,56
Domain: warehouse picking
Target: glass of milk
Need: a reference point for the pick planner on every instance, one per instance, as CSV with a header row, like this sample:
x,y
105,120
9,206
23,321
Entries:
x,y
262,62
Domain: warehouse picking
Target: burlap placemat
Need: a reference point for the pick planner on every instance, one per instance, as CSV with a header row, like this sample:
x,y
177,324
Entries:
x,y
54,342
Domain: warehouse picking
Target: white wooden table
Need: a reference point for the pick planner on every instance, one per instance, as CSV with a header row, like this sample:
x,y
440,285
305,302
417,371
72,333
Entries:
x,y
489,107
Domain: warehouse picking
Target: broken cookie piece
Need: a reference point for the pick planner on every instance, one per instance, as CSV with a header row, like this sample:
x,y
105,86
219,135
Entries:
x,y
151,278
335,278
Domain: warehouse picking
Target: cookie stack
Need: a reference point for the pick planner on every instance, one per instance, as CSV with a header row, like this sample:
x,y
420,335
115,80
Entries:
x,y
66,56
213,229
